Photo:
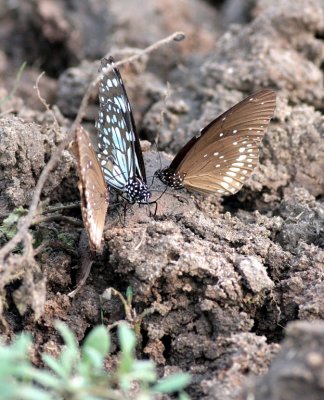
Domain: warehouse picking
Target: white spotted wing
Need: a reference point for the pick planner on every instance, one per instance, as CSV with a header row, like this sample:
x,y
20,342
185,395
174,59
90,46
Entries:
x,y
92,186
118,143
115,146
226,152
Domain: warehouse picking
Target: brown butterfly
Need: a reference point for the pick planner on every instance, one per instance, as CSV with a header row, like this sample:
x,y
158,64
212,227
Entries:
x,y
224,154
93,190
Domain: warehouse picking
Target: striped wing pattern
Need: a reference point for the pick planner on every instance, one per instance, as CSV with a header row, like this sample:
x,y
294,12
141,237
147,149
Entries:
x,y
119,149
115,149
92,186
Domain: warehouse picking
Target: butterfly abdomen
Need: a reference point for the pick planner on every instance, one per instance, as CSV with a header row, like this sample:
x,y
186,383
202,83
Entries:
x,y
137,191
171,178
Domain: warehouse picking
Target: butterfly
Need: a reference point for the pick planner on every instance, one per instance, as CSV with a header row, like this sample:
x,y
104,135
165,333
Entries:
x,y
119,150
92,186
224,153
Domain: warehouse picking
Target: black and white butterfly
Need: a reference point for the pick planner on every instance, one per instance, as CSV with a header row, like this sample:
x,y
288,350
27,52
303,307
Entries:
x,y
119,150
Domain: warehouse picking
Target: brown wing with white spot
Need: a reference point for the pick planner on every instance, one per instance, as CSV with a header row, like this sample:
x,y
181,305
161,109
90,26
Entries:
x,y
226,152
93,189
223,169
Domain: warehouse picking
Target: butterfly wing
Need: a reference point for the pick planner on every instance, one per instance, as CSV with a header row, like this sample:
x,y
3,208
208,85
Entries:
x,y
224,170
115,108
92,186
115,149
225,153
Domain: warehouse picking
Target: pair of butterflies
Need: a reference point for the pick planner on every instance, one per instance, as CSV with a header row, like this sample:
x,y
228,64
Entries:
x,y
218,160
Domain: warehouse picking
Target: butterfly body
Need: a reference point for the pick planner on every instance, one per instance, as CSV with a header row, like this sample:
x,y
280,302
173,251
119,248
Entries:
x,y
224,153
171,178
137,191
119,149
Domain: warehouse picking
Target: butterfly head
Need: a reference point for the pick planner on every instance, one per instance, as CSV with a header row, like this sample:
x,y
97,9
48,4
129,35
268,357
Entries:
x,y
170,178
137,191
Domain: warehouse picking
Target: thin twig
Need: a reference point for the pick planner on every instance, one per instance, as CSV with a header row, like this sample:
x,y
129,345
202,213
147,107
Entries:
x,y
45,104
177,37
49,209
57,217
43,101
61,207
54,243
25,222
86,267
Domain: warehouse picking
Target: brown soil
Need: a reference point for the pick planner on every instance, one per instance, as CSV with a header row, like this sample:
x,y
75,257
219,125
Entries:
x,y
224,275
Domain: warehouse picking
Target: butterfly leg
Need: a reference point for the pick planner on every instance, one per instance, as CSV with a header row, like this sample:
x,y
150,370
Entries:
x,y
152,181
119,216
125,212
162,193
150,214
156,207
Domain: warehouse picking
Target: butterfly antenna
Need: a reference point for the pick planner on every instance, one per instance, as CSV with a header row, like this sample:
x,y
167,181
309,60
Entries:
x,y
125,212
162,193
148,203
160,160
161,123
153,177
156,207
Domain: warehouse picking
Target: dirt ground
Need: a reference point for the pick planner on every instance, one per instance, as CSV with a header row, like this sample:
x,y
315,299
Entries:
x,y
225,276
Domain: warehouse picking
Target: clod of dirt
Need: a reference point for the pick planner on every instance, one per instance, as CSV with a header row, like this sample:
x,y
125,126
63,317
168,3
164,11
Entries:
x,y
22,153
263,53
297,371
285,159
304,220
71,87
254,274
24,149
241,357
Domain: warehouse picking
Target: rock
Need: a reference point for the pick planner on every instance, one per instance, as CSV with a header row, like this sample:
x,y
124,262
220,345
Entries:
x,y
254,274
